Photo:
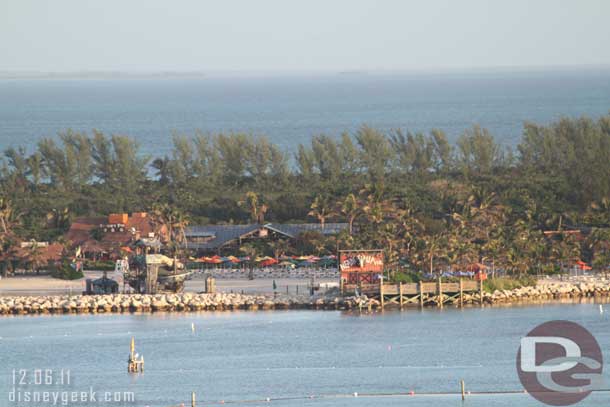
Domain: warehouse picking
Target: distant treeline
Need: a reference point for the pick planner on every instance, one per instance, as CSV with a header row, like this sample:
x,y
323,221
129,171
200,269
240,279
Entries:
x,y
562,168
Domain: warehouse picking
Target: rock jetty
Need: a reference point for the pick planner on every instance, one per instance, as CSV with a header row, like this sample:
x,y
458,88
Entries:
x,y
117,303
551,291
124,303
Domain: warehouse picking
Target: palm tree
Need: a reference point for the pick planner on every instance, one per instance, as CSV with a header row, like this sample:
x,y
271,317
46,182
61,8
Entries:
x,y
375,211
251,252
170,222
279,247
8,255
180,222
410,227
257,210
390,237
599,213
350,208
373,192
321,209
157,215
436,246
34,256
59,218
163,167
598,242
9,219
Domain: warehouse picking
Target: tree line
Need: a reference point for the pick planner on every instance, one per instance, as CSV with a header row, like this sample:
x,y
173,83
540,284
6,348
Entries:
x,y
413,194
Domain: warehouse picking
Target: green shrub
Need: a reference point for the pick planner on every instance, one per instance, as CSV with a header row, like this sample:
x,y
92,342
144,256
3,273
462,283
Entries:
x,y
65,271
100,265
506,283
404,277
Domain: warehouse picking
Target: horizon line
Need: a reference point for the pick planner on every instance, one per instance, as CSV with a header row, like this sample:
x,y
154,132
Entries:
x,y
169,73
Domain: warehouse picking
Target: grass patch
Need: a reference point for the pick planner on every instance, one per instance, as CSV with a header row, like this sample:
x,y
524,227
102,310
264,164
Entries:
x,y
99,265
506,283
65,271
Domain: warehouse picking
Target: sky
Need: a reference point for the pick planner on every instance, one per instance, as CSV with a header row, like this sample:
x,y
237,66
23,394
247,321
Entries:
x,y
300,35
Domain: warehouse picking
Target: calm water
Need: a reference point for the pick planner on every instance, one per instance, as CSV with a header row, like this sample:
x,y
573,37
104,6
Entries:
x,y
292,109
240,356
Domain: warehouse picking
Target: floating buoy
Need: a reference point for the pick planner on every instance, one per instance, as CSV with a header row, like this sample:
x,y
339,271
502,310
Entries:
x,y
355,394
267,399
601,309
193,327
411,393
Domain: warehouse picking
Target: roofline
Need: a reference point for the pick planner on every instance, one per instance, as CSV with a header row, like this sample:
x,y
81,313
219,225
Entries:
x,y
269,226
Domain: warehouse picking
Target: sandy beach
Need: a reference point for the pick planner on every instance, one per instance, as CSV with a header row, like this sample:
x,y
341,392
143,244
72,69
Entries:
x,y
46,285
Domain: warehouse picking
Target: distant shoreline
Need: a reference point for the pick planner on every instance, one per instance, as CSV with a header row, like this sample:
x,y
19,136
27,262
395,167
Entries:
x,y
200,74
99,75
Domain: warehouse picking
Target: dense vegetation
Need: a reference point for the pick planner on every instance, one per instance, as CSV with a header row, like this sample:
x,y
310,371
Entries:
x,y
428,203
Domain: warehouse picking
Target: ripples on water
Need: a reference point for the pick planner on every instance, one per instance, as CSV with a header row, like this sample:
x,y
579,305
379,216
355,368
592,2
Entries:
x,y
255,355
292,109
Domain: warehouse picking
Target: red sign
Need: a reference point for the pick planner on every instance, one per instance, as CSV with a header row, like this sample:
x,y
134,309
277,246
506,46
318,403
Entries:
x,y
480,276
354,261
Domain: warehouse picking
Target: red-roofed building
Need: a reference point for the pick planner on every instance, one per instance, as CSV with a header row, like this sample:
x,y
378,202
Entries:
x,y
47,252
109,234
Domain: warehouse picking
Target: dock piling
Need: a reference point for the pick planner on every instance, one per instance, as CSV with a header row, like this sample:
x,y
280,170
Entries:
x,y
463,390
381,294
461,293
440,293
401,296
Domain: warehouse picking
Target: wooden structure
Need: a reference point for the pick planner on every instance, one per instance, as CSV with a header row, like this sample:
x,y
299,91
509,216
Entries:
x,y
152,274
421,294
103,285
151,279
135,364
361,266
210,285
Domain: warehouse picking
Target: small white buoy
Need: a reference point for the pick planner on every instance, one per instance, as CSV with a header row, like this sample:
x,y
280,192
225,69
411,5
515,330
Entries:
x,y
601,309
193,327
355,394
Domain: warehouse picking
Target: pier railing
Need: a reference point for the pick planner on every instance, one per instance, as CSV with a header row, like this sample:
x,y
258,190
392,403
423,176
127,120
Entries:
x,y
436,293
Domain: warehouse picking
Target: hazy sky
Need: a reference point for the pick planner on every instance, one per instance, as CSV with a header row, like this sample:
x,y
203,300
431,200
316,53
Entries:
x,y
280,35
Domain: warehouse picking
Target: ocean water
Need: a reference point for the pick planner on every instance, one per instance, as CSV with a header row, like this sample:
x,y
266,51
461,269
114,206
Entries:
x,y
290,356
290,109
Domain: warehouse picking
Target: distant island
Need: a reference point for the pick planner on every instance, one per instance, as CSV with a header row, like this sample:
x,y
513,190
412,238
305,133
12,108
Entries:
x,y
429,204
101,75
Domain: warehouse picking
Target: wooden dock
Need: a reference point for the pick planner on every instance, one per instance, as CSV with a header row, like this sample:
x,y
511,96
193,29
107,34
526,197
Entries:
x,y
421,294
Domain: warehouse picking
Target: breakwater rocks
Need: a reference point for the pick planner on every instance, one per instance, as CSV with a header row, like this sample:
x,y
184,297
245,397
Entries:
x,y
118,303
551,291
